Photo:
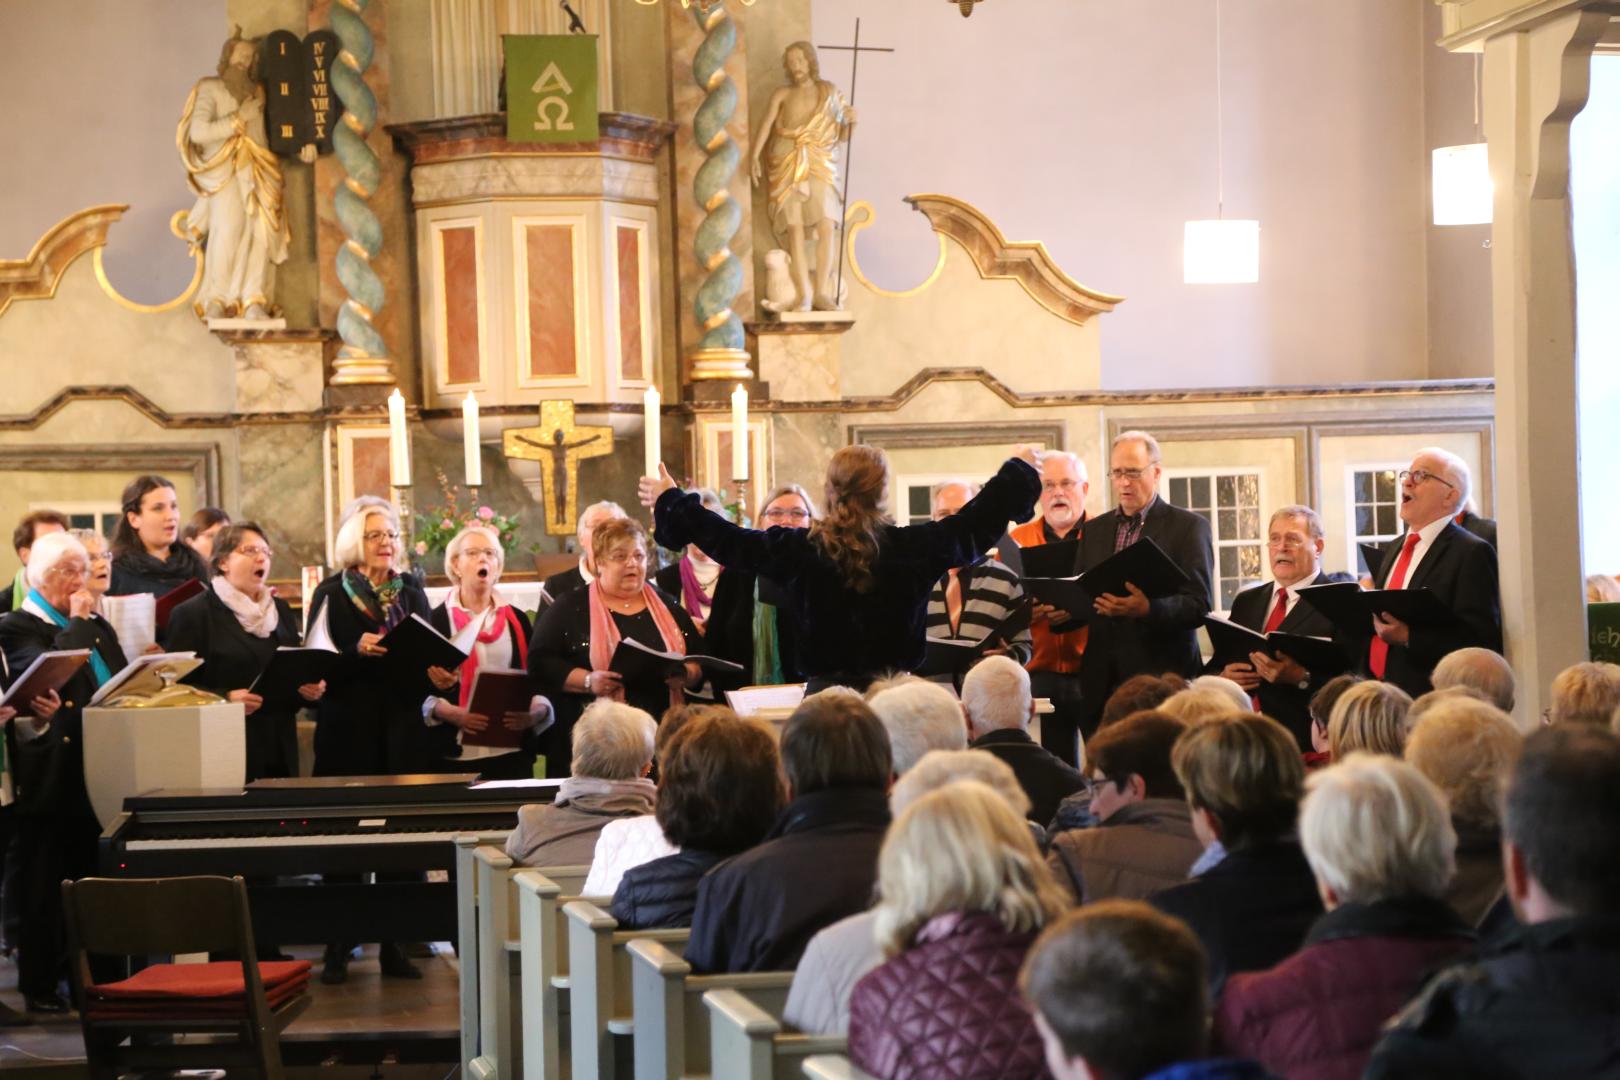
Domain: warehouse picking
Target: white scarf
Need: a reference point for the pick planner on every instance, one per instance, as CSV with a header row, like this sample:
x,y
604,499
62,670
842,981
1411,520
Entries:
x,y
258,617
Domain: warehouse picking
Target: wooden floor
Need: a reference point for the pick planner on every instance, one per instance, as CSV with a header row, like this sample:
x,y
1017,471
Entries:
x,y
367,1003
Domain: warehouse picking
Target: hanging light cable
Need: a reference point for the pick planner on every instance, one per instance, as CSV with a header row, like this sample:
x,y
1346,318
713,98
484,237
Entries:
x,y
1461,175
1220,251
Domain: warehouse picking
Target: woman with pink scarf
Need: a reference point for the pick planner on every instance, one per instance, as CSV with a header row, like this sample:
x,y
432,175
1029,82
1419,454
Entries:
x,y
572,651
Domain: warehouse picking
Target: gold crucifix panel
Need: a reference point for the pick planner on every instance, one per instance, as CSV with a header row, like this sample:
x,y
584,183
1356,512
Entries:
x,y
559,445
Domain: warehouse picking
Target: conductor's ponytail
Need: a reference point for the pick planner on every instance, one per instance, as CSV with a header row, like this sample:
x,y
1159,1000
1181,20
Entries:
x,y
856,496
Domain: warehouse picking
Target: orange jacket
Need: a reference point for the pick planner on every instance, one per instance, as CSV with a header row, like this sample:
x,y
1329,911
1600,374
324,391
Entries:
x,y
1053,652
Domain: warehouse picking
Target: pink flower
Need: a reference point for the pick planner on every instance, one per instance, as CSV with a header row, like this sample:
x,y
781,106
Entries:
x,y
447,524
485,514
421,547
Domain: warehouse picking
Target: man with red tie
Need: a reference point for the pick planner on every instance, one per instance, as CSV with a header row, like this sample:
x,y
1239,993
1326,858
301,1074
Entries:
x,y
1282,688
1452,563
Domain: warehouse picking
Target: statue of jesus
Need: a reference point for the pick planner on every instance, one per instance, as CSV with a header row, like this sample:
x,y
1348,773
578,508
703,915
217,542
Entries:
x,y
238,218
795,153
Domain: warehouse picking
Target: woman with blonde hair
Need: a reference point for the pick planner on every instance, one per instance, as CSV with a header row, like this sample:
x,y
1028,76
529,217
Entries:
x,y
965,893
1370,716
857,582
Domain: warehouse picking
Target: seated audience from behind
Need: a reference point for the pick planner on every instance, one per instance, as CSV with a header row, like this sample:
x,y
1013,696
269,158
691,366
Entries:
x,y
1542,1000
1139,693
1234,693
1321,708
1585,693
1243,777
919,716
1602,589
838,956
1370,716
613,750
1467,748
818,863
1379,841
996,697
1478,669
1118,991
1196,704
964,895
719,790
1143,841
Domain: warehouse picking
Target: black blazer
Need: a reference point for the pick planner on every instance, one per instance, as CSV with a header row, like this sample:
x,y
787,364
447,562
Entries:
x,y
1167,639
563,582
1046,778
442,737
232,658
729,630
1482,527
369,721
1460,569
49,770
1288,705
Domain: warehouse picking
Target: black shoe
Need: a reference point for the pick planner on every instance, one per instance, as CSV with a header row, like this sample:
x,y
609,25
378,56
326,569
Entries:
x,y
335,965
394,964
10,1017
45,1003
271,954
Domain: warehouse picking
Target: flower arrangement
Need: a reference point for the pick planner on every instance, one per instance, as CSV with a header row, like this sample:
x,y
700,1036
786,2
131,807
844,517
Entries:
x,y
436,526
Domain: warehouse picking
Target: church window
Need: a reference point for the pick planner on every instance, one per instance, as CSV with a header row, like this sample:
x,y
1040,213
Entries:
x,y
1375,504
1230,500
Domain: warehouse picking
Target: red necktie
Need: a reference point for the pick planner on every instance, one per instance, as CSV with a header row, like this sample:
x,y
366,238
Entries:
x,y
1273,622
953,601
1378,650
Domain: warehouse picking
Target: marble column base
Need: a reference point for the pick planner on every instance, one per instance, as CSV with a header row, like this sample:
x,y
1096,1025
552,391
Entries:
x,y
279,370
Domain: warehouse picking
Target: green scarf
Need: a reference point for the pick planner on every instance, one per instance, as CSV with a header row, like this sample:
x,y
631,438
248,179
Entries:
x,y
767,660
19,589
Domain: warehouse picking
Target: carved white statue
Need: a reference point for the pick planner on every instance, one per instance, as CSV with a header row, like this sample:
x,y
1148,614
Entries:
x,y
238,219
780,292
795,155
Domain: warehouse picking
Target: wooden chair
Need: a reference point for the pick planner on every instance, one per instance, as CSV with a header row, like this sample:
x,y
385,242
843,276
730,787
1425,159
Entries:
x,y
600,1002
498,979
144,917
834,1067
671,1033
543,971
748,1043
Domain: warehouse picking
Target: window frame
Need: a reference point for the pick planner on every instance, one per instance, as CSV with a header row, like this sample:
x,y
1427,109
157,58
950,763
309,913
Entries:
x,y
1352,537
1213,473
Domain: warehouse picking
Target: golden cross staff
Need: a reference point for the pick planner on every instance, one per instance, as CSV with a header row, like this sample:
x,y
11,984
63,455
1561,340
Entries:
x,y
559,445
855,51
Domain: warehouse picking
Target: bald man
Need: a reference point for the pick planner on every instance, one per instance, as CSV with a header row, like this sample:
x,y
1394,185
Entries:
x,y
1439,555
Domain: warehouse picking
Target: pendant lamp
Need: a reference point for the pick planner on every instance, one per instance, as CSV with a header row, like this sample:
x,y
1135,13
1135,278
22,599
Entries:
x,y
1219,250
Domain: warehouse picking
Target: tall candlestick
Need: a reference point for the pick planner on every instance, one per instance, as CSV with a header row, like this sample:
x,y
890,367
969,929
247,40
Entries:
x,y
399,442
652,425
469,441
739,433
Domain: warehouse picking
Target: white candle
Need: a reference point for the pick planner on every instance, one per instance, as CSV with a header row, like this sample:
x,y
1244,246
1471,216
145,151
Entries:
x,y
469,441
399,444
652,420
739,433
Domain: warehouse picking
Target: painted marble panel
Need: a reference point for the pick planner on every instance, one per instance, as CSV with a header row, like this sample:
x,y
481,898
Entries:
x,y
459,255
553,344
632,364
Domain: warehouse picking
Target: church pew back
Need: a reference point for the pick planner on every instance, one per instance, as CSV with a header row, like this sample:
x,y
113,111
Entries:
x,y
834,1067
600,1000
671,1035
748,1043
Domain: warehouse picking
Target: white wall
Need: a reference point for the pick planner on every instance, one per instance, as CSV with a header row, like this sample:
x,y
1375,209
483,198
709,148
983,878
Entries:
x,y
1089,125
1595,190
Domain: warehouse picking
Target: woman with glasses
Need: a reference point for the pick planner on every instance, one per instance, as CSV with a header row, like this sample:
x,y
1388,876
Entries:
x,y
572,651
473,562
235,628
56,827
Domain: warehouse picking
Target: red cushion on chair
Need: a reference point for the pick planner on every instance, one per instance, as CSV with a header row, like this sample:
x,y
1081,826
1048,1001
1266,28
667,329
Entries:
x,y
186,1008
220,980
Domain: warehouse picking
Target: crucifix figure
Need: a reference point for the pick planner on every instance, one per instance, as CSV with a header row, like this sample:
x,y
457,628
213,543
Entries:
x,y
559,445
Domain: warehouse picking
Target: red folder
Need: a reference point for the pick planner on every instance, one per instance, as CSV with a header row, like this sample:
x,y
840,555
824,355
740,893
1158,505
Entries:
x,y
177,595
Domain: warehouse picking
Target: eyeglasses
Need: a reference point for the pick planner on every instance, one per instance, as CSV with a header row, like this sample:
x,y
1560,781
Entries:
x,y
622,558
1066,482
1417,476
72,570
478,553
779,514
253,551
1128,474
375,535
1093,785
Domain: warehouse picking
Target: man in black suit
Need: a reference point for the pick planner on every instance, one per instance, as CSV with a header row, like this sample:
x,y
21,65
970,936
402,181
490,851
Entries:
x,y
566,581
1452,563
1283,687
1132,634
1482,527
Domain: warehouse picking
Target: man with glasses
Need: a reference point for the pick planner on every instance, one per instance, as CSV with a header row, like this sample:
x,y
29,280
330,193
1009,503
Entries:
x,y
1282,688
1439,555
1132,634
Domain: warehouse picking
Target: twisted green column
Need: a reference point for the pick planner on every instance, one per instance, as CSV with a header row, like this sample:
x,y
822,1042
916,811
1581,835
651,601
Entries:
x,y
720,353
363,357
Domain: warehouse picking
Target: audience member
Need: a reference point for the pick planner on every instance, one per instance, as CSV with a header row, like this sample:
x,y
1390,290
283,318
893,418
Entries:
x,y
964,894
1467,748
1140,693
1478,669
997,698
1144,840
757,910
1378,840
613,751
1369,716
919,716
1243,776
1544,999
1585,693
718,792
1118,993
1234,693
838,956
1199,703
1322,703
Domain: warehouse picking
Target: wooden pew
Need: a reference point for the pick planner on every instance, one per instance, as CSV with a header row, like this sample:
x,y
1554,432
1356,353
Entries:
x,y
600,999
671,1035
834,1067
544,975
748,1043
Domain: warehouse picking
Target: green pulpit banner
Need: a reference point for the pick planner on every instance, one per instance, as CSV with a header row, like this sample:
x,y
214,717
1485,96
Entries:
x,y
1603,632
550,87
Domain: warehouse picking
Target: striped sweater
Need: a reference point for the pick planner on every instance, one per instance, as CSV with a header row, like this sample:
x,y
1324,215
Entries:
x,y
989,593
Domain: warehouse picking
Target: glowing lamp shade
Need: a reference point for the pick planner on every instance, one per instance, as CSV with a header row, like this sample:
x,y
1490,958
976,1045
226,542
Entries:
x,y
1221,252
1462,185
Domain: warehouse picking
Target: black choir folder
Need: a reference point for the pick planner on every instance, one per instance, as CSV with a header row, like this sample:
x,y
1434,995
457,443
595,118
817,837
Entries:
x,y
49,671
1350,608
642,665
414,646
1372,557
290,667
947,656
1056,560
1143,564
1234,642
